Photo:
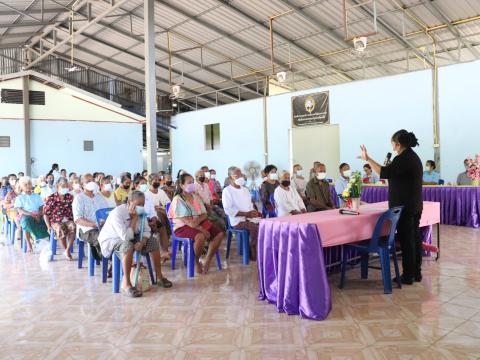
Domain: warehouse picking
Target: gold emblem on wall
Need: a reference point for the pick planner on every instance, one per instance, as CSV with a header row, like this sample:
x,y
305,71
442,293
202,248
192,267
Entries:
x,y
309,104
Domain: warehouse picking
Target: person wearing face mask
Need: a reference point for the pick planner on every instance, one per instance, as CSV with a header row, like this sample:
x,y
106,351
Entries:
x,y
404,176
342,182
318,191
287,199
12,179
215,187
215,213
430,176
169,186
463,179
298,181
58,216
8,207
312,170
76,187
190,220
106,190
47,187
84,208
268,187
40,184
238,205
55,173
121,234
121,194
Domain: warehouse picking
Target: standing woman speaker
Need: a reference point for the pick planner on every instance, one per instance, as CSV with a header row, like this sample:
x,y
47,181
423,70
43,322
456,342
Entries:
x,y
404,176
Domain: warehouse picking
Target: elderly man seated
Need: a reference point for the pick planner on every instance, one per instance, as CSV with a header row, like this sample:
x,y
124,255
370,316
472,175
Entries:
x,y
342,182
85,205
30,207
121,234
58,216
318,190
287,199
238,205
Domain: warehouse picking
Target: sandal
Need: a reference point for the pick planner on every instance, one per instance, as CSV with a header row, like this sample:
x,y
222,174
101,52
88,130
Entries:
x,y
132,292
165,283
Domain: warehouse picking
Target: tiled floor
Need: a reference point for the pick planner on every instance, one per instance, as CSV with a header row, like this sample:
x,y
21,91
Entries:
x,y
55,311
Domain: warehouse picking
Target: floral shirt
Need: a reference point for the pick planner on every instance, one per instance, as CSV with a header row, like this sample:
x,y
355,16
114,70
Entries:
x,y
58,209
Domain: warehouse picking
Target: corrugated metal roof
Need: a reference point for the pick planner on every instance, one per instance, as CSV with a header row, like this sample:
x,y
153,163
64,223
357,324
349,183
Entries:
x,y
222,43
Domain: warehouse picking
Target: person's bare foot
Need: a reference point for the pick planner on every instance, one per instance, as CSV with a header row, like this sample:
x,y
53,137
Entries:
x,y
199,267
67,255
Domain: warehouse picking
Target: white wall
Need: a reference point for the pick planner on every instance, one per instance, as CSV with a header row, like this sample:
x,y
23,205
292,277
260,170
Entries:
x,y
368,112
241,137
459,104
117,147
12,158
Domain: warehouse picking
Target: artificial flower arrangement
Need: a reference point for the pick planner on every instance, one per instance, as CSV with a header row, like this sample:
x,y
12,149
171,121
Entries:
x,y
473,169
351,195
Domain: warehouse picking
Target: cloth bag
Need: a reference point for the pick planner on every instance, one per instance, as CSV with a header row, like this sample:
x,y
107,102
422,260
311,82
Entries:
x,y
144,283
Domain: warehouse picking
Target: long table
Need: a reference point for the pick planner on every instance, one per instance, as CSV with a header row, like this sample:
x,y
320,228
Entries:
x,y
291,264
459,205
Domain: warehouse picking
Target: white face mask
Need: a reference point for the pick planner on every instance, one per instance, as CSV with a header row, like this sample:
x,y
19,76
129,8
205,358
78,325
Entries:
x,y
92,186
213,176
273,176
347,173
76,186
240,181
300,172
321,176
207,175
43,184
107,187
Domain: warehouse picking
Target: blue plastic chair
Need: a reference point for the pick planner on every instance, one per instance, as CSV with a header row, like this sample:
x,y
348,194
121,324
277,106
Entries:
x,y
384,246
243,241
441,182
188,250
265,212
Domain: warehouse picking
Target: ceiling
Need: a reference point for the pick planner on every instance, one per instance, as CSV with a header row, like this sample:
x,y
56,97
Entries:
x,y
220,51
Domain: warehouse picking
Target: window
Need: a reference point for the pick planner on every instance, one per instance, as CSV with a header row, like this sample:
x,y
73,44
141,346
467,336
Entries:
x,y
4,141
212,137
88,145
12,96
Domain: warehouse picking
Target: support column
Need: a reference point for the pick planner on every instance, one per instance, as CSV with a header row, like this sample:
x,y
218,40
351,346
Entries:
x,y
436,123
150,86
26,125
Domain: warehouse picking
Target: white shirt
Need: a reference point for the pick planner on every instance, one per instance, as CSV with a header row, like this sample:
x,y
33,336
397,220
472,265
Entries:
x,y
287,201
236,200
117,229
300,185
204,191
110,200
159,199
84,207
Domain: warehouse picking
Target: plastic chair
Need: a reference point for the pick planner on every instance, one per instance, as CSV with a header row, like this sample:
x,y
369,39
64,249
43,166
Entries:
x,y
265,212
243,241
441,182
188,250
383,245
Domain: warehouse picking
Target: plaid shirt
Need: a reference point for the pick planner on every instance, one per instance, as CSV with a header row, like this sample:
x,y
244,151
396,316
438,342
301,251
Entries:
x,y
58,209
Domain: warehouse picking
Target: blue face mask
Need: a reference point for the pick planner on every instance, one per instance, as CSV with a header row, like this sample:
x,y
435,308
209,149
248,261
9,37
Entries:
x,y
143,188
63,191
140,210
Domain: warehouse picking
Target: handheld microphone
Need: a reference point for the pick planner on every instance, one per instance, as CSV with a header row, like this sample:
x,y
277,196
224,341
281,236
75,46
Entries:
x,y
387,159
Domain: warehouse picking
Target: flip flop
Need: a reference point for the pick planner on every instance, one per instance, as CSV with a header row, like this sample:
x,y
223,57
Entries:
x,y
132,292
165,283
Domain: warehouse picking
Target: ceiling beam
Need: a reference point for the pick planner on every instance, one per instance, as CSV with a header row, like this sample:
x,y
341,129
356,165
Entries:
x,y
31,11
93,21
18,35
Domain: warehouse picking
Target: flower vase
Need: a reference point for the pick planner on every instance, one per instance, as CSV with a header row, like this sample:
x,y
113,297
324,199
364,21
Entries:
x,y
476,182
356,204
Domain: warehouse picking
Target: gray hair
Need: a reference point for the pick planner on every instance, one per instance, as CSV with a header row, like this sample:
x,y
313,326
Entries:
x,y
62,181
232,170
24,180
135,195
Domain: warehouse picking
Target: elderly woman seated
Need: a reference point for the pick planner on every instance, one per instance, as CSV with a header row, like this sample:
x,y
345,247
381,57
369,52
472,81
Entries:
x,y
30,209
168,186
190,221
8,206
214,212
58,216
121,234
106,190
287,199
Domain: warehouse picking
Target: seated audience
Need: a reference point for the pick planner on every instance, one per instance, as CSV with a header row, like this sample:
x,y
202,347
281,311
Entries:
x,y
370,176
298,180
106,190
169,187
215,187
312,170
20,174
121,234
55,173
84,208
342,182
463,179
238,205
40,184
215,213
287,199
190,221
47,188
63,173
58,216
430,176
12,180
9,207
318,191
76,187
145,174
121,194
30,209
268,187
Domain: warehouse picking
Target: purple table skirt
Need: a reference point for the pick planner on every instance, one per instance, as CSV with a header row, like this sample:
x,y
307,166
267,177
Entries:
x,y
458,205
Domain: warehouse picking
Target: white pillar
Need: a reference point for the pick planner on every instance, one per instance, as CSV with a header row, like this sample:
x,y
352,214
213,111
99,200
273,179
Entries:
x,y
26,125
150,86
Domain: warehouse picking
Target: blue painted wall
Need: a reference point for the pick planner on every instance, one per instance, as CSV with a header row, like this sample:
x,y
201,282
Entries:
x,y
12,158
